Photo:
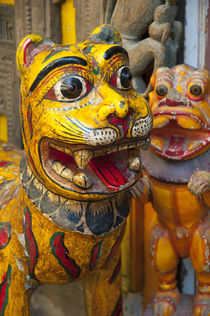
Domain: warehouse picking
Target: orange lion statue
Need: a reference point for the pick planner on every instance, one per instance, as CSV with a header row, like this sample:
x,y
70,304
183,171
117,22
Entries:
x,y
178,170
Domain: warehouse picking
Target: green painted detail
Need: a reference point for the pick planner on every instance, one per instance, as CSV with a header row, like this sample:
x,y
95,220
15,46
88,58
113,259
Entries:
x,y
8,280
96,69
88,50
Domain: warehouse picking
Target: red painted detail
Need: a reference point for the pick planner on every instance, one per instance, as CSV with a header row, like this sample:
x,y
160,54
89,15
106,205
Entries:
x,y
30,242
170,102
108,173
116,271
113,81
61,253
123,122
57,155
175,146
118,307
26,50
51,94
4,290
116,245
95,255
4,163
198,98
5,234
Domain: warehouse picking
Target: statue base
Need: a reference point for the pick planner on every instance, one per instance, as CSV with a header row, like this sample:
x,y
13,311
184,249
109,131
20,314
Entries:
x,y
185,307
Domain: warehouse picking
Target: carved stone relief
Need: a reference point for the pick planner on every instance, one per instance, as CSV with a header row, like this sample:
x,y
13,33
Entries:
x,y
26,17
8,81
148,28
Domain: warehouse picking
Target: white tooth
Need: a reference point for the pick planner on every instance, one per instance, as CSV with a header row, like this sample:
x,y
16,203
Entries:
x,y
57,167
100,152
134,161
55,146
123,146
110,150
82,158
52,145
67,151
82,181
67,174
140,143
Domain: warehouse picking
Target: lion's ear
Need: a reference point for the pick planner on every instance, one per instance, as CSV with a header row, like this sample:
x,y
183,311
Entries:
x,y
25,48
105,33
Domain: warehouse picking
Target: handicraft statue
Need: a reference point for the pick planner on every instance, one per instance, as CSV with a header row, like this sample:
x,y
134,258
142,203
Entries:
x,y
64,203
178,172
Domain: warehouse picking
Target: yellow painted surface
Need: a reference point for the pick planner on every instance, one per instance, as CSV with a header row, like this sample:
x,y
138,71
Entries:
x,y
150,280
11,2
133,250
3,128
125,253
68,22
136,246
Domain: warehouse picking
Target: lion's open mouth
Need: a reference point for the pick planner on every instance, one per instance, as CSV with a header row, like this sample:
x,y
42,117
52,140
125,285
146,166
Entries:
x,y
175,142
87,169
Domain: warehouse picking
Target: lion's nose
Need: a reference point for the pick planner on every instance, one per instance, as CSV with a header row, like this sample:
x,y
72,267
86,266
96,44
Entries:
x,y
175,98
119,108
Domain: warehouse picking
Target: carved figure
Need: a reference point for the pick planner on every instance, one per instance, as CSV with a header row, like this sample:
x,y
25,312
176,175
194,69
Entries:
x,y
134,20
62,216
178,171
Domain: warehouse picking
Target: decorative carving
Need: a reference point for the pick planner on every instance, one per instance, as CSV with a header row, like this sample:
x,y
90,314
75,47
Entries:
x,y
8,79
89,14
26,17
63,213
134,20
179,177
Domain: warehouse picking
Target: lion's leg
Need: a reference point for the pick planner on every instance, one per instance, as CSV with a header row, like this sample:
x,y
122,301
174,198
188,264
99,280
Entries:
x,y
165,260
103,289
14,299
200,257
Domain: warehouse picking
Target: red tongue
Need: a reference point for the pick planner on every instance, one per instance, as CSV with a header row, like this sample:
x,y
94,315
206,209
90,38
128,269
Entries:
x,y
175,146
108,173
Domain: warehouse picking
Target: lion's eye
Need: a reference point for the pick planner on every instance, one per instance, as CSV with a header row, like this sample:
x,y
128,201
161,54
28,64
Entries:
x,y
122,79
69,89
161,90
195,91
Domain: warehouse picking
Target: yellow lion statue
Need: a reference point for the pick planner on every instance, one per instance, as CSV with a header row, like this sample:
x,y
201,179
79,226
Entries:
x,y
64,202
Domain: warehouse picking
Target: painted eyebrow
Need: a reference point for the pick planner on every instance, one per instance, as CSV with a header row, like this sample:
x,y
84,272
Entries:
x,y
55,64
115,50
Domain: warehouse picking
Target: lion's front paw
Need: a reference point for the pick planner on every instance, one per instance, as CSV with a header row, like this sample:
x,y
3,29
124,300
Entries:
x,y
165,302
140,188
199,182
201,305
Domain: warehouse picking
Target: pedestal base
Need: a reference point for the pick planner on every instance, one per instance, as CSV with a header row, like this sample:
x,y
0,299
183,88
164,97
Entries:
x,y
185,307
